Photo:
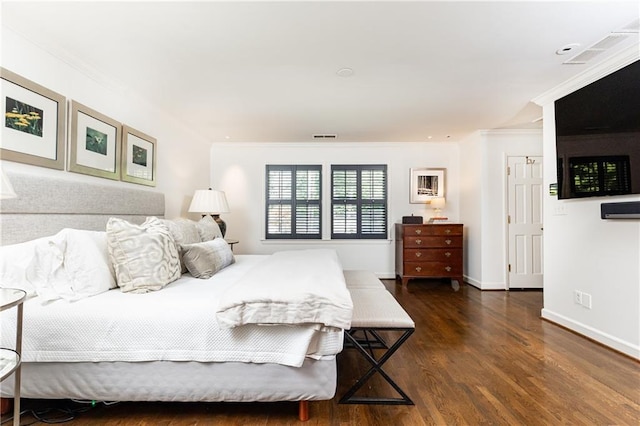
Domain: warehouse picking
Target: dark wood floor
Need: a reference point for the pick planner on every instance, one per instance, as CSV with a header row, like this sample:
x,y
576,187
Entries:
x,y
475,358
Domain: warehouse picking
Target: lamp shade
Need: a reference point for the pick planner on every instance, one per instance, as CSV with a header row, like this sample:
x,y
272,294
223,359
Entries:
x,y
6,190
209,201
438,203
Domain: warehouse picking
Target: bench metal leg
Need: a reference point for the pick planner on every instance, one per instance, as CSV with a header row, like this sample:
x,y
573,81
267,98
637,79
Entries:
x,y
369,338
349,397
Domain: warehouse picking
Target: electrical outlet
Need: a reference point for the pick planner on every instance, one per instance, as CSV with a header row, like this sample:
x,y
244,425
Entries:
x,y
577,297
586,300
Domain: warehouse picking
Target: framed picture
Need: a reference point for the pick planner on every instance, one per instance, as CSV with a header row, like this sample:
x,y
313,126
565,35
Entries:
x,y
138,157
94,144
426,184
34,122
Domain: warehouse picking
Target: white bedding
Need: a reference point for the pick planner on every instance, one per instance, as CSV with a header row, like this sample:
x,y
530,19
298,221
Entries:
x,y
166,325
290,287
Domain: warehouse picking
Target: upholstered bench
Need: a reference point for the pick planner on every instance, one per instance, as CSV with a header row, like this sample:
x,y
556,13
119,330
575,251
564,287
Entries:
x,y
374,310
361,279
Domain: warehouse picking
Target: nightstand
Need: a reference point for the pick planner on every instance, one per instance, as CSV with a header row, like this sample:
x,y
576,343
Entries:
x,y
231,242
10,358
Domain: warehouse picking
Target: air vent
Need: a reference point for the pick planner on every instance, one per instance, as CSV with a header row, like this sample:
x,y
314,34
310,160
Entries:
x,y
584,57
609,41
325,136
597,48
633,27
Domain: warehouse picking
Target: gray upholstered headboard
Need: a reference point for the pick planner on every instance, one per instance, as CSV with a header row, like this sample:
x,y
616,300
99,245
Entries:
x,y
46,205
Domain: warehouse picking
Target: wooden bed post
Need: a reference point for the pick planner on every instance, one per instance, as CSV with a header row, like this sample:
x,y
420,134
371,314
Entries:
x,y
303,411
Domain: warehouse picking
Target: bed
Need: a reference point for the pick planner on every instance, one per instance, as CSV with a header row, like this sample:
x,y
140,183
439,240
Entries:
x,y
189,341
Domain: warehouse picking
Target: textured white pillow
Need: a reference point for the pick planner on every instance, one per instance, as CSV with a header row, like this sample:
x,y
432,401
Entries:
x,y
145,257
206,258
208,229
71,265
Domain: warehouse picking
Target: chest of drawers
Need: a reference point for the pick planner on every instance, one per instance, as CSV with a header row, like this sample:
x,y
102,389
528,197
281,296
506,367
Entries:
x,y
429,251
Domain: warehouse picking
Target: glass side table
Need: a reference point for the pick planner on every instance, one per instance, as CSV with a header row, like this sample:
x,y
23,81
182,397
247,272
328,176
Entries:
x,y
10,358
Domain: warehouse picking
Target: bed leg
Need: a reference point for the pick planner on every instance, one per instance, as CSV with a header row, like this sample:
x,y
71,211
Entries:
x,y
303,410
6,404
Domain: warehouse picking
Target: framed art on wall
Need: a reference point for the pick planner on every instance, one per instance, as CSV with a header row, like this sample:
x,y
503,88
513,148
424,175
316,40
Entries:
x,y
94,144
426,184
138,157
34,122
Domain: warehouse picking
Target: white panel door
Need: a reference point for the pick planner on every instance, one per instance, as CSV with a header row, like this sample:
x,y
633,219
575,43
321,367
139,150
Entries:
x,y
525,222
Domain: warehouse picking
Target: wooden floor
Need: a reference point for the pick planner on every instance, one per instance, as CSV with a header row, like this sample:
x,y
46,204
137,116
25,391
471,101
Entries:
x,y
475,358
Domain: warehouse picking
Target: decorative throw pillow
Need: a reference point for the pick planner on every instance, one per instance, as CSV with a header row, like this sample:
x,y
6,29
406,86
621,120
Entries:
x,y
208,229
183,231
206,258
144,256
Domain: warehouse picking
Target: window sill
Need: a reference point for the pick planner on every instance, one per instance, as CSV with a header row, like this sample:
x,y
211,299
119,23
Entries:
x,y
326,242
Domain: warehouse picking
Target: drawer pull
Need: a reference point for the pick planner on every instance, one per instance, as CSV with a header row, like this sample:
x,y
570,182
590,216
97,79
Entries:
x,y
448,254
418,231
418,241
418,254
448,268
418,269
447,241
447,231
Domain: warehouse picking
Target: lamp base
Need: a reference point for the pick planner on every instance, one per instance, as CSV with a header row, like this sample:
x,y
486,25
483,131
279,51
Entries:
x,y
221,224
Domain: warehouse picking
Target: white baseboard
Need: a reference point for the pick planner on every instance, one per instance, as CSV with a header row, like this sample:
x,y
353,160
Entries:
x,y
385,275
597,335
484,285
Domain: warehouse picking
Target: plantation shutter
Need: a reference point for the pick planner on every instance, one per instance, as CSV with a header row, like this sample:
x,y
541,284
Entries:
x,y
293,202
359,202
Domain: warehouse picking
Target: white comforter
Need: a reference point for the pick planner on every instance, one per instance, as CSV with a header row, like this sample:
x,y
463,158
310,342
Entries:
x,y
177,323
290,287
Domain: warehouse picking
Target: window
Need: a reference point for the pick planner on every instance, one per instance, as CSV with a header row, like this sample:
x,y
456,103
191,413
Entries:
x,y
293,202
359,201
595,176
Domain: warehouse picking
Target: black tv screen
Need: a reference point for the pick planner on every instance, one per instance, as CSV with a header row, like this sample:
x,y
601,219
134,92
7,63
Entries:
x,y
598,137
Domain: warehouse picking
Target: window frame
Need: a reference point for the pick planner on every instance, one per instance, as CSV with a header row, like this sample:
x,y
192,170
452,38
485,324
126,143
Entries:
x,y
359,202
293,202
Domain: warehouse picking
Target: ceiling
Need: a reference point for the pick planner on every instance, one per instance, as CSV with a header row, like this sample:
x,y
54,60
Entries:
x,y
272,71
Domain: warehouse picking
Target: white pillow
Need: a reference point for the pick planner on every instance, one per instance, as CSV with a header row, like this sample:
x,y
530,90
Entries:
x,y
145,257
206,258
14,260
208,229
183,231
71,265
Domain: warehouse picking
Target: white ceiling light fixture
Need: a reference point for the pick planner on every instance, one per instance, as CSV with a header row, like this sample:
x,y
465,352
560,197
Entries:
x,y
567,48
345,72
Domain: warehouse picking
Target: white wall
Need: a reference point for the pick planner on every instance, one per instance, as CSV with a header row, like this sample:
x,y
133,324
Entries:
x,y
484,200
239,170
183,156
583,252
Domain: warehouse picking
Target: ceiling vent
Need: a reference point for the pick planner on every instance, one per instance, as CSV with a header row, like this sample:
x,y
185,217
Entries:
x,y
325,136
633,27
597,48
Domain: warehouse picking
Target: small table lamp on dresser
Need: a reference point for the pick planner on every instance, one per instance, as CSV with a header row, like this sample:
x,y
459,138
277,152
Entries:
x,y
210,201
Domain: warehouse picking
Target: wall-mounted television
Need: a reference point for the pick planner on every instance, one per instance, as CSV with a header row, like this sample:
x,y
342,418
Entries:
x,y
598,137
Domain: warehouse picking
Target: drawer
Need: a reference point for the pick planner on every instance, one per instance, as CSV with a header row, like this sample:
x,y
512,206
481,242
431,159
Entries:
x,y
433,269
453,255
432,241
422,230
